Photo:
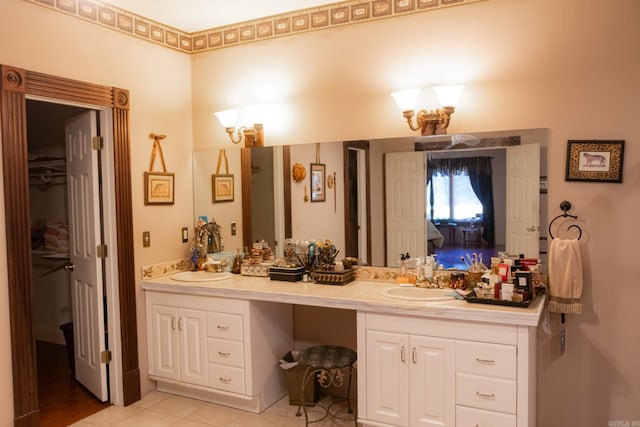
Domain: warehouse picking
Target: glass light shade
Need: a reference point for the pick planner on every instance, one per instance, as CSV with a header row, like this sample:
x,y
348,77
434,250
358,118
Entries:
x,y
448,95
406,99
257,113
228,118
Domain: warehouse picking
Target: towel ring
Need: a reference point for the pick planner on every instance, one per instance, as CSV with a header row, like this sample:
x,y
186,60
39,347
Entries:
x,y
565,206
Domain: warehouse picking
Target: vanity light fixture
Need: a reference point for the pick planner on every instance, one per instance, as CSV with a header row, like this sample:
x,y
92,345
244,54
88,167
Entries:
x,y
429,122
253,135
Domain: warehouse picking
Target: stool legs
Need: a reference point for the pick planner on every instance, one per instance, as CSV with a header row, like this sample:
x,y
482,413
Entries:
x,y
327,377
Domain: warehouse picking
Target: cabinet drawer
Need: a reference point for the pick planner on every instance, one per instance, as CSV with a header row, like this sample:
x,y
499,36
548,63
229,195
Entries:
x,y
494,394
471,417
492,360
225,326
226,378
225,352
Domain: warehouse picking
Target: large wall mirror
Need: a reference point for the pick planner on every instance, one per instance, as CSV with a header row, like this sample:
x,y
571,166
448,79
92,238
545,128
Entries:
x,y
364,199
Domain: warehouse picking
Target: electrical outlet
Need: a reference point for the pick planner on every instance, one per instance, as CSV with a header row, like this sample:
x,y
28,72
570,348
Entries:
x,y
146,239
233,228
185,234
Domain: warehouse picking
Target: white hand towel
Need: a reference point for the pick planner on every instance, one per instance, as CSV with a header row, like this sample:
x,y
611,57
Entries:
x,y
565,276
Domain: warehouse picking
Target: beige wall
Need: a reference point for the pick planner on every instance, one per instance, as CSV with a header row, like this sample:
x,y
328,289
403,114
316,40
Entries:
x,y
158,79
568,66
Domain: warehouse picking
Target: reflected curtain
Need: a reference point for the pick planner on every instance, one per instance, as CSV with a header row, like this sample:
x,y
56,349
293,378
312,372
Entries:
x,y
480,175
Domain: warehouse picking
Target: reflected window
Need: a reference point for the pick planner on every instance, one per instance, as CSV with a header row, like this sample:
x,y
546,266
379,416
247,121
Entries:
x,y
453,198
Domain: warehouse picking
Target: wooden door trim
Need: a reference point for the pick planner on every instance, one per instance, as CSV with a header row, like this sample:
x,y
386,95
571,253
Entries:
x,y
15,86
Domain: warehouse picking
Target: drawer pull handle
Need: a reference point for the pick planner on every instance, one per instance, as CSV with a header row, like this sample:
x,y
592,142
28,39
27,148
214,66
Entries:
x,y
402,354
486,395
222,328
486,361
222,354
226,380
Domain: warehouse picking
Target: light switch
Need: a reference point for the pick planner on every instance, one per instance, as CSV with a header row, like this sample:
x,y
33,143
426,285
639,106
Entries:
x,y
146,239
233,228
185,234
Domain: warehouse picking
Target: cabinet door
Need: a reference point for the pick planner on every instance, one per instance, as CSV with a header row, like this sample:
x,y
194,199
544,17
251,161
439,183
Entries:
x,y
387,377
432,380
164,347
193,346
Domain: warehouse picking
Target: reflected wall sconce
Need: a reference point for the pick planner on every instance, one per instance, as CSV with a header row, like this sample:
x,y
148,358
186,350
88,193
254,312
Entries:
x,y
253,135
429,122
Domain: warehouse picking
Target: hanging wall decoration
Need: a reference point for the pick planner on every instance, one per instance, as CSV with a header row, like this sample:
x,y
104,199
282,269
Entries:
x,y
222,184
318,179
158,186
594,161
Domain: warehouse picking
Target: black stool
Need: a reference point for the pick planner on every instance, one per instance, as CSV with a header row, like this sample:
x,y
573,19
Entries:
x,y
327,363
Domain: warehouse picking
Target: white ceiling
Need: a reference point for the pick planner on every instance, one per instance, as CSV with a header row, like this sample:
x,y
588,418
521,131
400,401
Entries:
x,y
198,15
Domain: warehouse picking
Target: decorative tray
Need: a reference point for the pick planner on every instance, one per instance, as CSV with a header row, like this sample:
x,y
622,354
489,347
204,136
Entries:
x,y
472,298
334,277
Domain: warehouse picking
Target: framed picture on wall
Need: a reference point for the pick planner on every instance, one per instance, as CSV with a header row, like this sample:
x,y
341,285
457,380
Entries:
x,y
222,186
158,188
318,182
594,161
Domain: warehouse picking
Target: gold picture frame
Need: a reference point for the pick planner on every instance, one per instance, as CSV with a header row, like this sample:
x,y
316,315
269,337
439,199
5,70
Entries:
x,y
318,182
222,188
159,188
594,161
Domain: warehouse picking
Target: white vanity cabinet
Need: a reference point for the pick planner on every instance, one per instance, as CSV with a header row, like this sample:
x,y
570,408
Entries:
x,y
409,379
223,350
420,371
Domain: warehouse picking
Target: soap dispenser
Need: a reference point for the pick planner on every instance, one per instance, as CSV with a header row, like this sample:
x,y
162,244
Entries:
x,y
402,276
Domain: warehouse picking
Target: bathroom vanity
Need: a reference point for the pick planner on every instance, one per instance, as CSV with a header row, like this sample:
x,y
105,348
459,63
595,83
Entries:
x,y
420,362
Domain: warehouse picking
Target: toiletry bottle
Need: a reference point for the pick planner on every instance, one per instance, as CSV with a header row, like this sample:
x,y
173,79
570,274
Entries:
x,y
402,276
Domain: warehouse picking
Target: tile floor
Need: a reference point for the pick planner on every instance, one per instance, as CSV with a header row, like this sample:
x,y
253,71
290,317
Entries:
x,y
159,409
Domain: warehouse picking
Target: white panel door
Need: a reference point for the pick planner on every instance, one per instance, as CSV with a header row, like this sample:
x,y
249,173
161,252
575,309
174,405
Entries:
x,y
164,350
387,378
193,346
523,200
84,235
432,388
405,183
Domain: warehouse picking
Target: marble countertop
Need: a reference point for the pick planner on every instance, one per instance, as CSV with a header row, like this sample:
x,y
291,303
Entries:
x,y
359,295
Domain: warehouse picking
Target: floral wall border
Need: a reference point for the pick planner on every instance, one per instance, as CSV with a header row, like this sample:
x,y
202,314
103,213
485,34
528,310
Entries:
x,y
296,22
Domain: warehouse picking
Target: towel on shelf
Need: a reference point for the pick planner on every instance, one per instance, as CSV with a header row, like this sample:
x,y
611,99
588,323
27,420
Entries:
x,y
565,276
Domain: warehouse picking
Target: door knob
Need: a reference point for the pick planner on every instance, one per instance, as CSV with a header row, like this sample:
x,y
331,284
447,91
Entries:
x,y
69,267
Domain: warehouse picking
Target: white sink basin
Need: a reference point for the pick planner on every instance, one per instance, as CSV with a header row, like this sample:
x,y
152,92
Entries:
x,y
417,294
200,276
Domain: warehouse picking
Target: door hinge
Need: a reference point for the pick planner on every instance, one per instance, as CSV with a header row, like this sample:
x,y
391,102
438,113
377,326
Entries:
x,y
105,356
101,251
97,142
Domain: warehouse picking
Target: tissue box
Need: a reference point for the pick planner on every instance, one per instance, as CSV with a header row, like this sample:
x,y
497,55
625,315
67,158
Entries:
x,y
224,256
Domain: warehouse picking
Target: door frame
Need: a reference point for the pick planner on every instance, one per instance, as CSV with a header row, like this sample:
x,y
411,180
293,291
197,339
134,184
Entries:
x,y
15,86
360,146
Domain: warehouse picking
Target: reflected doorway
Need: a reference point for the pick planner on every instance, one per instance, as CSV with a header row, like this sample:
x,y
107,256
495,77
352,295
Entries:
x,y
357,204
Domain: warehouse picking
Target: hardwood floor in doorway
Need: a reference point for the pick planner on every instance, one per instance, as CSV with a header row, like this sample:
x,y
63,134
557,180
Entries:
x,y
62,400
